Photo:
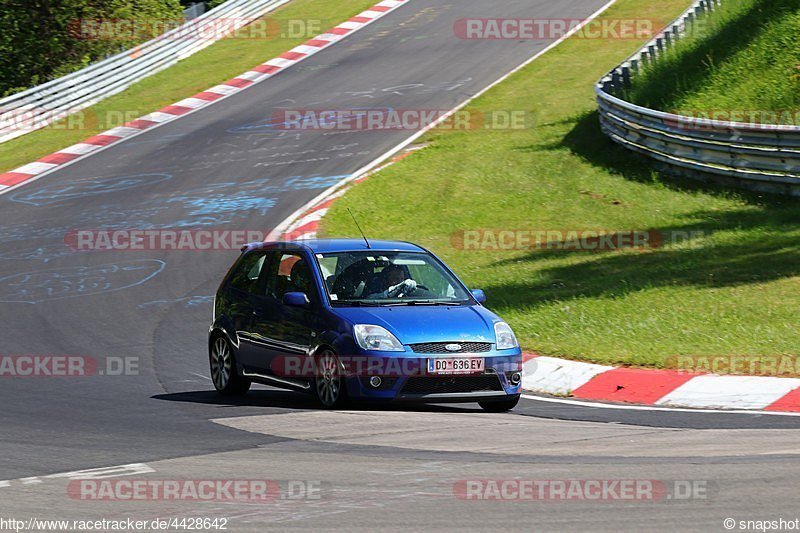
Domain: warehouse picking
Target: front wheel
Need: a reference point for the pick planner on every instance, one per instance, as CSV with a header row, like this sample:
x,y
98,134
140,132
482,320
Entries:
x,y
329,382
226,379
500,407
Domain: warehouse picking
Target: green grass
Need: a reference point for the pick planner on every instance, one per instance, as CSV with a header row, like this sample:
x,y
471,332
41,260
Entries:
x,y
217,63
745,57
734,291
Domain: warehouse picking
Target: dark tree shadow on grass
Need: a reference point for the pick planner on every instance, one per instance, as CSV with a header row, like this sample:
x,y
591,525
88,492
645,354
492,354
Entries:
x,y
766,248
766,251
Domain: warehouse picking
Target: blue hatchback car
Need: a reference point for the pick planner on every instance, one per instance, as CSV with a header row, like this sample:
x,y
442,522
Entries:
x,y
348,319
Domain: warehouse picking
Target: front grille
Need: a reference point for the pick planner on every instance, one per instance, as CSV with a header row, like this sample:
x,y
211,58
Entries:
x,y
439,347
452,384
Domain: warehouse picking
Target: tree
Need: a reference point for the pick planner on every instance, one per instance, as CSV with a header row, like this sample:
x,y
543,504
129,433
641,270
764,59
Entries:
x,y
44,39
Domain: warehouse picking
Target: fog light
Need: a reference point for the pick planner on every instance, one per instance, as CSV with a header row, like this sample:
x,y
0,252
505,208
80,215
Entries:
x,y
516,378
375,381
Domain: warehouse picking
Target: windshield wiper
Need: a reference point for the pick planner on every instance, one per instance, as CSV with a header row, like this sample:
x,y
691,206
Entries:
x,y
354,303
428,302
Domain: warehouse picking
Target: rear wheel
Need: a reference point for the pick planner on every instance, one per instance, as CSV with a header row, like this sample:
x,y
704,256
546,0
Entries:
x,y
501,406
329,382
226,379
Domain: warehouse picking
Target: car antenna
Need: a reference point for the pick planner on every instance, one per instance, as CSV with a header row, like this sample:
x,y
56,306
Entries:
x,y
359,228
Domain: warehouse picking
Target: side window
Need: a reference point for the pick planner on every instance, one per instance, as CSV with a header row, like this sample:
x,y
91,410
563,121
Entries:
x,y
290,273
247,272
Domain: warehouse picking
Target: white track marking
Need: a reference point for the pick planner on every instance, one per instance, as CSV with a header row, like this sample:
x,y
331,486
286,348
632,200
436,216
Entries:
x,y
92,473
579,403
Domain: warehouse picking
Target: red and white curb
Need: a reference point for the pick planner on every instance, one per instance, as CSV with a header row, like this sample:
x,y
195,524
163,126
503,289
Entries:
x,y
32,171
668,388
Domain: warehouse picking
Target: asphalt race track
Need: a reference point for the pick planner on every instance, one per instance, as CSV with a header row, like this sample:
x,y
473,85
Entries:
x,y
228,166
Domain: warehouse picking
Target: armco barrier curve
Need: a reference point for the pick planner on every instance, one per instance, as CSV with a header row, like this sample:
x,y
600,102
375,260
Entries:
x,y
39,106
764,157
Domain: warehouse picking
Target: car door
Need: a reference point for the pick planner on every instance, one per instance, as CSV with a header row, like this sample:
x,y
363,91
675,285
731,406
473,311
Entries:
x,y
285,333
246,285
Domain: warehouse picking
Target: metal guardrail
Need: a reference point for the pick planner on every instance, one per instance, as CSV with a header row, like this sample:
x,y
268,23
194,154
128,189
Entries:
x,y
760,156
44,104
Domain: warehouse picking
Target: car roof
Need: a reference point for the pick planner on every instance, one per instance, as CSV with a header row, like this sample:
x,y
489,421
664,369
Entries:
x,y
337,245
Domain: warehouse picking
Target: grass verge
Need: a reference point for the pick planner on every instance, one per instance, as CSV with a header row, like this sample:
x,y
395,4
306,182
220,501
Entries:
x,y
732,290
217,63
744,59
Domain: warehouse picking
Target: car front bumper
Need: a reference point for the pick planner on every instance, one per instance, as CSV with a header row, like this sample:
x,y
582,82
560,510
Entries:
x,y
403,377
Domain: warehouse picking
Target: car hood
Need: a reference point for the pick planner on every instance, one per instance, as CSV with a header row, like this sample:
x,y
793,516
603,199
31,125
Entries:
x,y
415,324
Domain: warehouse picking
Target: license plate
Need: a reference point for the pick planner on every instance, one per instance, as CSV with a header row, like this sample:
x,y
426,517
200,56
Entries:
x,y
455,365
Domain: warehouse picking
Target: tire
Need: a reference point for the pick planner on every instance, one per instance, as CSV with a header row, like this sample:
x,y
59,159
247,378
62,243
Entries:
x,y
329,384
224,375
500,407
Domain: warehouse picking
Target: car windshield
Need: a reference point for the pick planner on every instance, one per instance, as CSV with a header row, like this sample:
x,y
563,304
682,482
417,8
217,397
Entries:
x,y
389,278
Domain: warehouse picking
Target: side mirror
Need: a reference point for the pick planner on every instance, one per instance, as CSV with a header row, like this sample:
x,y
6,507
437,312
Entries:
x,y
296,299
479,295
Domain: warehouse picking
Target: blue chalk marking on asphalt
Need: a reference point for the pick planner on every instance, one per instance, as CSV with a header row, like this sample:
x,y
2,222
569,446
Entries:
x,y
58,284
82,187
41,253
209,206
313,182
202,206
321,120
188,302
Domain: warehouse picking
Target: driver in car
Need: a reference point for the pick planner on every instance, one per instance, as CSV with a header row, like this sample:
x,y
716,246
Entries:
x,y
395,283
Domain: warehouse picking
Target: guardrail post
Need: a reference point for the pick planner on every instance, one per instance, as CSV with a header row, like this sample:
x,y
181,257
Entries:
x,y
616,80
626,76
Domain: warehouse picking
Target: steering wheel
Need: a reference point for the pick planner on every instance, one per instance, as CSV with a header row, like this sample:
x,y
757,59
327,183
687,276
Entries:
x,y
418,287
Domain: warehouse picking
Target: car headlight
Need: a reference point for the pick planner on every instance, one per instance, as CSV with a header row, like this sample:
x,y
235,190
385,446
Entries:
x,y
505,336
376,338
